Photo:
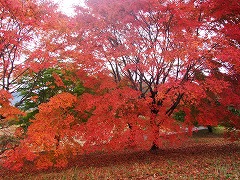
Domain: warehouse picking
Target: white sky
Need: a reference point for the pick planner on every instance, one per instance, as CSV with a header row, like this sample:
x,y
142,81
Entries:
x,y
66,5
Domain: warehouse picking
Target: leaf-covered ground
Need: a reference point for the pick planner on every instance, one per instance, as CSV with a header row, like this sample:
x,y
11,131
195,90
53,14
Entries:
x,y
205,156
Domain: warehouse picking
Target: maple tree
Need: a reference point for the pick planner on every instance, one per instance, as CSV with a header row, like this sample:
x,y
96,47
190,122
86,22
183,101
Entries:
x,y
176,53
22,25
27,29
141,66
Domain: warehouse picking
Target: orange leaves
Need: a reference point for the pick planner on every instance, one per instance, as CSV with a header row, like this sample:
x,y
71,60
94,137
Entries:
x,y
10,112
7,111
4,97
43,162
16,158
58,81
34,98
19,132
47,133
53,119
63,100
62,162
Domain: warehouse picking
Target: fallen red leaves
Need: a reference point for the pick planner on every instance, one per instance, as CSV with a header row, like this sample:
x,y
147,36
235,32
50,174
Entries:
x,y
206,156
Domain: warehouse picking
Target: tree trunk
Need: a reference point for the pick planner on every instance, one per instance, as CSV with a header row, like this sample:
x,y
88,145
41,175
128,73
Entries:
x,y
57,137
210,130
154,148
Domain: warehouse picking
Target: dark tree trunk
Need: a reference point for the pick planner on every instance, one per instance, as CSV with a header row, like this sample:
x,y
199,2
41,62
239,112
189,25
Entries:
x,y
57,137
210,130
154,148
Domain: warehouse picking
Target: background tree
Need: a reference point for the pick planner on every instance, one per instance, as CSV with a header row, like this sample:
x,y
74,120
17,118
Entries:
x,y
50,82
22,28
20,24
27,29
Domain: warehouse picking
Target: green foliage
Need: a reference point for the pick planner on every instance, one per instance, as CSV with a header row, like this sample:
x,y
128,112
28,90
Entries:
x,y
179,116
226,122
24,121
234,110
219,130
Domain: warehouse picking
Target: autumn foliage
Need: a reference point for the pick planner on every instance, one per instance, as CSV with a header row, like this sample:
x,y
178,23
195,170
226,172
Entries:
x,y
116,75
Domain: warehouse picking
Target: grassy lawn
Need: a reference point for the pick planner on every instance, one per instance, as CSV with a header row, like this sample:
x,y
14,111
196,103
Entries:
x,y
204,156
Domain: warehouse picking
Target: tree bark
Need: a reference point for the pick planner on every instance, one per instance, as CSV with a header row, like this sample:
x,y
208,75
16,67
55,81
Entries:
x,y
154,148
210,130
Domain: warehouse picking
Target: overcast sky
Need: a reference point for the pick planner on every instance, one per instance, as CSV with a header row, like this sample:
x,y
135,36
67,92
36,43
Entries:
x,y
66,5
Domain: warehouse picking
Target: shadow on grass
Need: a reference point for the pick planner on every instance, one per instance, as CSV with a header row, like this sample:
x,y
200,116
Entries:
x,y
206,134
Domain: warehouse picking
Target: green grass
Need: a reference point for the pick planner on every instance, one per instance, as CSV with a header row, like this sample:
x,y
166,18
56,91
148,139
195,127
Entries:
x,y
219,130
204,156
